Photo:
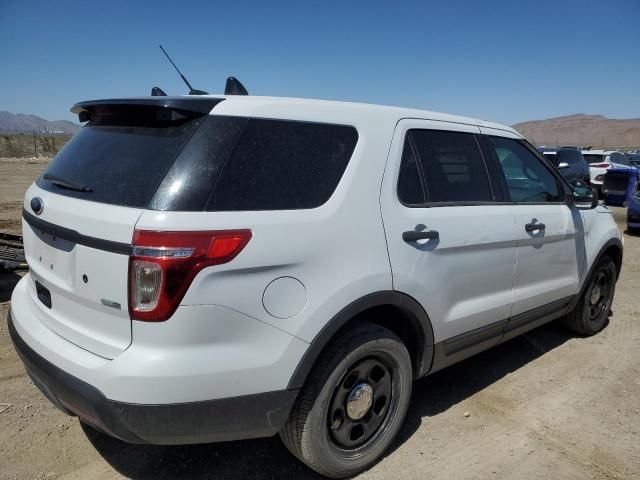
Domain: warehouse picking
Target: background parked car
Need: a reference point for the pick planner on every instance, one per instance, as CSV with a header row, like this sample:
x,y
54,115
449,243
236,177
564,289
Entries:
x,y
600,161
619,186
634,159
570,162
633,213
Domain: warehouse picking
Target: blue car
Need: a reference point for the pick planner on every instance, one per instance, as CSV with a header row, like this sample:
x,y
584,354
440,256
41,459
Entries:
x,y
570,162
634,160
633,213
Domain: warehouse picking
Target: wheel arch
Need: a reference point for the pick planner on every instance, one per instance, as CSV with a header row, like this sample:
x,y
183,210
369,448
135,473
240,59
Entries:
x,y
381,308
612,248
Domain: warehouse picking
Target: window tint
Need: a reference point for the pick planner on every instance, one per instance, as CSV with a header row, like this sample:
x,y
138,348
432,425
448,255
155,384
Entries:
x,y
453,167
410,190
594,158
283,165
188,184
121,158
528,180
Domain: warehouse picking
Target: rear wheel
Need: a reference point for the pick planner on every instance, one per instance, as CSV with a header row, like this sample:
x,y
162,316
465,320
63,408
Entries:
x,y
591,313
352,404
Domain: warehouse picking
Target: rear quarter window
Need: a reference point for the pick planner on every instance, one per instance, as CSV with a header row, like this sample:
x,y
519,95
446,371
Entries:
x,y
283,165
594,158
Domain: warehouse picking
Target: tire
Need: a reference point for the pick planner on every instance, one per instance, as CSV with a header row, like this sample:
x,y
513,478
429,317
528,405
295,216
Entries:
x,y
321,430
592,311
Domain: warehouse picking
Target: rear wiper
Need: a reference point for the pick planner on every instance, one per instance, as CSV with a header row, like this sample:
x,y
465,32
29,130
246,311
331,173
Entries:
x,y
64,183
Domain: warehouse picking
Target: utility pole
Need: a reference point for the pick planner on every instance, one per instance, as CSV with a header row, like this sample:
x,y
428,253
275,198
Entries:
x,y
35,145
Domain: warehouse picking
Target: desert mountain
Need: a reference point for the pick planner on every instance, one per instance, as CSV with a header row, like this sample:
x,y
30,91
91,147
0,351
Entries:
x,y
22,123
582,130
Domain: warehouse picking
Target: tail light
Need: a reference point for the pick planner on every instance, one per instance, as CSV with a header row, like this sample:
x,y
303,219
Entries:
x,y
600,165
163,264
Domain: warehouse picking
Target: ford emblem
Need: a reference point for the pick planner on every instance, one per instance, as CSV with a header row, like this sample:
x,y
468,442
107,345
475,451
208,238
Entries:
x,y
37,205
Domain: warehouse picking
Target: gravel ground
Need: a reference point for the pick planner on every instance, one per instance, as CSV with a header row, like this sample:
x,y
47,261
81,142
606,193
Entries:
x,y
544,405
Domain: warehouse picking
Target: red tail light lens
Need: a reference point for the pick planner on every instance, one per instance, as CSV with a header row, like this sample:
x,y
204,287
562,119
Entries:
x,y
600,165
163,264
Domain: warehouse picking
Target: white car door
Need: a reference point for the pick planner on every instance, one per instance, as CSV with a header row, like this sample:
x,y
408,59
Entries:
x,y
451,243
548,248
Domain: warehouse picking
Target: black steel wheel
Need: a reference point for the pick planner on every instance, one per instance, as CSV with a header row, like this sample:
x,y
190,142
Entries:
x,y
599,294
592,311
352,404
360,403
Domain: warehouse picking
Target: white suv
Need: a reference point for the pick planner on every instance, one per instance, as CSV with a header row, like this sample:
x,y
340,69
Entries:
x,y
211,268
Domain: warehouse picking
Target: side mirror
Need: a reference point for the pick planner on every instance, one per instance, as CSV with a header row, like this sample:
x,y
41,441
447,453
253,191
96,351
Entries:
x,y
585,197
563,165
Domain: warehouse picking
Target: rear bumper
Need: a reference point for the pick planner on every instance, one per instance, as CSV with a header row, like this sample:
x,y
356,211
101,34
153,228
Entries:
x,y
248,416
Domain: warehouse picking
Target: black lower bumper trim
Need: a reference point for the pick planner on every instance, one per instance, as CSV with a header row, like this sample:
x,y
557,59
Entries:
x,y
236,418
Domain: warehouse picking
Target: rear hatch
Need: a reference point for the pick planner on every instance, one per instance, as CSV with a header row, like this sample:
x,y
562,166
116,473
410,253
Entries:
x,y
79,217
619,181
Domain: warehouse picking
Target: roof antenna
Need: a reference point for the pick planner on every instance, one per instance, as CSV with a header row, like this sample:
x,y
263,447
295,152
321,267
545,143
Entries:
x,y
191,90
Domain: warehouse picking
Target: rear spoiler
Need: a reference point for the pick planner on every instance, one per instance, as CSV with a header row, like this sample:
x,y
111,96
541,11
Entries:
x,y
172,107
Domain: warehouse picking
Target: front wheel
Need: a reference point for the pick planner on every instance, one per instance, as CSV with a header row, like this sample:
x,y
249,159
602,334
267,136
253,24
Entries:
x,y
352,404
591,313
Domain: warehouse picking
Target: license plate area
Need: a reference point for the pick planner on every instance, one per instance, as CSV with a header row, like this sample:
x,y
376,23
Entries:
x,y
52,259
44,295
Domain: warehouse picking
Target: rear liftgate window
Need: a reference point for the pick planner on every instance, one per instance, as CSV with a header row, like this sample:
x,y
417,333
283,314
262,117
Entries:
x,y
121,156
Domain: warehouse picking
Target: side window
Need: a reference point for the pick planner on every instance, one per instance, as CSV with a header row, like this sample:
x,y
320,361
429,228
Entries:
x,y
410,189
283,165
453,167
527,178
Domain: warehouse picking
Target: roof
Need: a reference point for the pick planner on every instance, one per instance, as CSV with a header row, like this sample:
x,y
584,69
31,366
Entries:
x,y
274,105
299,108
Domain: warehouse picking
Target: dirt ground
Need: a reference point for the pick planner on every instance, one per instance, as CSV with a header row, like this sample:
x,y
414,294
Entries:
x,y
16,174
544,405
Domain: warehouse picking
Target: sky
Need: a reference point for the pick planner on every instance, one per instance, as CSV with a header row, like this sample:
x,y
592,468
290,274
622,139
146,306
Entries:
x,y
505,61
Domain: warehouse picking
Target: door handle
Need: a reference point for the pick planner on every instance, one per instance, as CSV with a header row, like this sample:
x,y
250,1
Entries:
x,y
413,236
532,227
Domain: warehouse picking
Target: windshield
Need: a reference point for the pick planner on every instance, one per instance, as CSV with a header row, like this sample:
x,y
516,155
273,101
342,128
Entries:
x,y
569,156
